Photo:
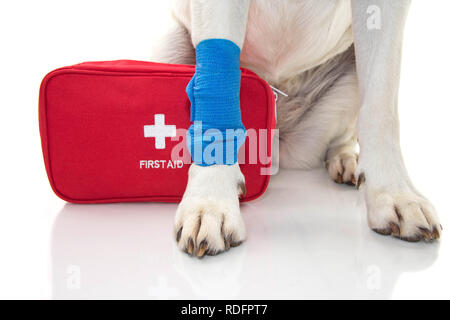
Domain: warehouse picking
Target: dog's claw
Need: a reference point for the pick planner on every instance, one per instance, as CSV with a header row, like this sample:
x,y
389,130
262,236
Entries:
x,y
426,234
436,234
202,249
190,246
361,180
395,229
235,244
339,178
178,236
227,241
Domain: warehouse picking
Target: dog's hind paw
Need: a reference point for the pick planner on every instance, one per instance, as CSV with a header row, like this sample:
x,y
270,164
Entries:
x,y
208,219
341,168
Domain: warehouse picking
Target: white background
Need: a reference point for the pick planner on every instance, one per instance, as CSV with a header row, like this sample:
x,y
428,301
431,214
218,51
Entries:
x,y
307,237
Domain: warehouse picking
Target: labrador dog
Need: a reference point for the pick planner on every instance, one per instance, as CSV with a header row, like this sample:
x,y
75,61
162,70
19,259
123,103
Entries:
x,y
339,63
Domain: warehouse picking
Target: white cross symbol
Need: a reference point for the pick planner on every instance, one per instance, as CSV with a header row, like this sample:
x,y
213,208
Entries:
x,y
160,131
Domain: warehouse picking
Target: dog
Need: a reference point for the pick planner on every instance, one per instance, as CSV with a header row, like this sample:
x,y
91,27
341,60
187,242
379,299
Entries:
x,y
339,63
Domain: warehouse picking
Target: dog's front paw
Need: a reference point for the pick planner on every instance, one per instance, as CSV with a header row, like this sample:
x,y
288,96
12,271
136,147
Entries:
x,y
405,215
208,220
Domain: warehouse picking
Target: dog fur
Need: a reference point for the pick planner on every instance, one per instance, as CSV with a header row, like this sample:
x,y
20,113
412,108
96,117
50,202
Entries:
x,y
342,81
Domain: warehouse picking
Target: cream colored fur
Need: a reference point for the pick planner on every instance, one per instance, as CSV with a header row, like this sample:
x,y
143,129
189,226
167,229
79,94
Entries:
x,y
305,48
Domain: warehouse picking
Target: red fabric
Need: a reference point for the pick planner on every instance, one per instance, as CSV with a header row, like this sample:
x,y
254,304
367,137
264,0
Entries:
x,y
92,116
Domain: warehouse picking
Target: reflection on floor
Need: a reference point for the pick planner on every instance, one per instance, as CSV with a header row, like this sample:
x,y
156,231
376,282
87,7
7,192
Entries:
x,y
307,238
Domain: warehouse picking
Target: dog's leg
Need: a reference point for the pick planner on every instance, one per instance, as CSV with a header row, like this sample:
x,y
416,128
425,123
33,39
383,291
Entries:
x,y
394,205
208,219
318,121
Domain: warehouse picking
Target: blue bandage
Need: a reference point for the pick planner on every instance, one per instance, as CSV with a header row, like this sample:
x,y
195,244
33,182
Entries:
x,y
217,131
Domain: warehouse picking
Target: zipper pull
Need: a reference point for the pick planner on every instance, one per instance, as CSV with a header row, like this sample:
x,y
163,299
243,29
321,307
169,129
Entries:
x,y
276,92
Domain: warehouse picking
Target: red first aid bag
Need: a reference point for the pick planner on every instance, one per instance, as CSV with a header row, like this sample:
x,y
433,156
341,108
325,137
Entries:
x,y
115,131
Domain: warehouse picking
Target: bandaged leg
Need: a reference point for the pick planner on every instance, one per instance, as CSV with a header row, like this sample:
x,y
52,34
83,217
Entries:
x,y
217,131
208,219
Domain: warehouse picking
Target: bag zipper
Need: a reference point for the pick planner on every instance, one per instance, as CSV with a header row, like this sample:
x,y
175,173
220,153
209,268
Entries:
x,y
276,92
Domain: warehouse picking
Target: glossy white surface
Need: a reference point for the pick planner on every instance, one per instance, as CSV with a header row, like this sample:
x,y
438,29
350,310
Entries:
x,y
307,237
